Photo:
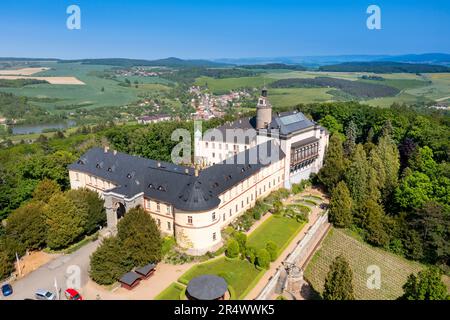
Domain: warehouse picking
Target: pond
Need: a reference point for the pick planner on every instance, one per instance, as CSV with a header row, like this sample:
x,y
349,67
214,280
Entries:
x,y
39,128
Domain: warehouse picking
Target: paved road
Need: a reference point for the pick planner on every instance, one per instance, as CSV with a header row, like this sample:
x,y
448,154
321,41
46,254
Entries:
x,y
59,268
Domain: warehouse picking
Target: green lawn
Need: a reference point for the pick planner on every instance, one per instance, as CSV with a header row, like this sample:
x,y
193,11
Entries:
x,y
394,269
280,230
172,292
239,274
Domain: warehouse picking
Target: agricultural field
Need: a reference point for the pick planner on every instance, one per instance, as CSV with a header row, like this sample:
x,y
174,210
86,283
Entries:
x,y
89,95
407,88
394,269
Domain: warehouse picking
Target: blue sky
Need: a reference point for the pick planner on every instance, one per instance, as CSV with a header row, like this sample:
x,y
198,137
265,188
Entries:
x,y
221,29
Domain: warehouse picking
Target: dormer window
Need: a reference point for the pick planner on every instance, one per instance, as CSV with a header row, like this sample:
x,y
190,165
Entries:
x,y
129,176
109,169
98,166
150,186
161,188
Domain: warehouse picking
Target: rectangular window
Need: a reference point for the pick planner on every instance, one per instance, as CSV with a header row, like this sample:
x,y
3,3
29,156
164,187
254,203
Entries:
x,y
213,155
220,146
213,216
242,203
189,219
158,207
169,226
147,204
168,209
206,144
230,213
236,208
214,236
159,222
224,217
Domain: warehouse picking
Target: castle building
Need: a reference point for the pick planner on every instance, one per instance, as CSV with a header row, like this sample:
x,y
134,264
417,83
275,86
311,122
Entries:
x,y
262,154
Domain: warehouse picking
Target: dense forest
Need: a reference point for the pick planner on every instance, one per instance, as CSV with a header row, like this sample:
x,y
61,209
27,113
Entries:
x,y
387,171
189,75
356,89
384,67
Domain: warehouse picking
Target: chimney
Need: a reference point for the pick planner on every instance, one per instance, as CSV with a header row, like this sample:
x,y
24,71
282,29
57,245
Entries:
x,y
159,164
186,171
115,152
196,172
106,149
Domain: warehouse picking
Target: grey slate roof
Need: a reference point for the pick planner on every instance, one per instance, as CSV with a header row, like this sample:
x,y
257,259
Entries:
x,y
129,278
207,287
170,183
145,269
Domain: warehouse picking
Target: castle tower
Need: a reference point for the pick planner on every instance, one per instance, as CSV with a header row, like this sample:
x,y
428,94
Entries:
x,y
263,111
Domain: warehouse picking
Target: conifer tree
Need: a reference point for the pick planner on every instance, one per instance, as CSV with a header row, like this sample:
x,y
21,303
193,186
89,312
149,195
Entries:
x,y
356,176
334,164
339,281
340,212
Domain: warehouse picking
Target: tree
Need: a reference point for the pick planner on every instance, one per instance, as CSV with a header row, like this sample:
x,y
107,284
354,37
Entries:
x,y
339,281
427,285
406,149
140,237
372,215
8,249
109,262
92,206
432,224
250,253
232,249
64,222
350,134
27,225
263,259
45,189
356,175
422,161
389,155
414,190
334,164
241,239
332,125
272,249
340,210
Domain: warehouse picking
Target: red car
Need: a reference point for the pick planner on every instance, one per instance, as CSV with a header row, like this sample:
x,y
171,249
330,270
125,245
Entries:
x,y
72,294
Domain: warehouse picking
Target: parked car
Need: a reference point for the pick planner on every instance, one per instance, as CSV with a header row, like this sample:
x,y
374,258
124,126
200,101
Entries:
x,y
7,290
42,294
72,294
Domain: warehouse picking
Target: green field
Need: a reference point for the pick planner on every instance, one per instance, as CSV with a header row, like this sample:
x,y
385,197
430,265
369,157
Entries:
x,y
89,94
220,86
280,230
293,96
394,269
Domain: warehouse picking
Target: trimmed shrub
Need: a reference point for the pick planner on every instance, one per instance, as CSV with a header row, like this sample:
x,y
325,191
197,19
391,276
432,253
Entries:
x,y
272,249
263,259
232,249
250,254
241,239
